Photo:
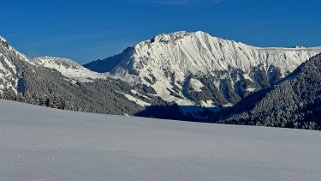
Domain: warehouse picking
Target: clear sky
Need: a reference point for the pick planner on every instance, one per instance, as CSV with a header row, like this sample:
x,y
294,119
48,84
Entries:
x,y
86,30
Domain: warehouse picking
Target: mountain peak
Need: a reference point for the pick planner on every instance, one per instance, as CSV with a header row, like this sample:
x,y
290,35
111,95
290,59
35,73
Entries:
x,y
2,39
4,42
172,37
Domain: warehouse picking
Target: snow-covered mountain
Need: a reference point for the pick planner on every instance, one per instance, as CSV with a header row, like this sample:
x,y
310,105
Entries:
x,y
199,69
184,76
68,68
61,83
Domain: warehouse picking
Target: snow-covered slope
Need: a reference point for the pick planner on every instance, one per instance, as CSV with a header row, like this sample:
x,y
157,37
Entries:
x,y
8,70
68,68
47,144
8,78
169,61
292,103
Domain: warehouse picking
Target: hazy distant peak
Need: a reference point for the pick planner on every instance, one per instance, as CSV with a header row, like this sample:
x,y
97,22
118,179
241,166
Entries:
x,y
56,60
67,67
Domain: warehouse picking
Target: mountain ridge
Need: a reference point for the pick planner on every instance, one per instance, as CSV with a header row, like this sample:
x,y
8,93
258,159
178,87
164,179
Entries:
x,y
167,63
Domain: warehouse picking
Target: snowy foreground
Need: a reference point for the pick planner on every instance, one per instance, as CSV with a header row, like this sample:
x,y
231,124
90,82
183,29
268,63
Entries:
x,y
38,143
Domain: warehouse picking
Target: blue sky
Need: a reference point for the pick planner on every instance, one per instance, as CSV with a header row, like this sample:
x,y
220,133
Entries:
x,y
86,30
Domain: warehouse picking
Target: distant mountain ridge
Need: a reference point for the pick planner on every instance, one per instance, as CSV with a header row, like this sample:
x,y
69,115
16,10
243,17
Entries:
x,y
199,69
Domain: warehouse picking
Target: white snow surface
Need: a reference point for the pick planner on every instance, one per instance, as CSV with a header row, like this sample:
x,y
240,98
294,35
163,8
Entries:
x,y
68,68
250,89
184,53
196,85
208,104
8,77
136,100
38,143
